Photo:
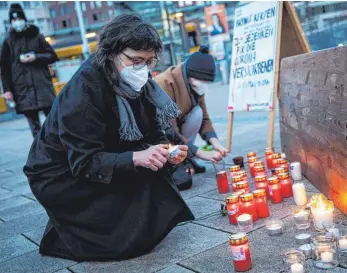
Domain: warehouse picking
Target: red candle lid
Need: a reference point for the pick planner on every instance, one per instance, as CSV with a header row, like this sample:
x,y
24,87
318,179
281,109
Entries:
x,y
259,163
236,178
276,155
252,159
238,238
273,180
259,193
241,185
235,168
282,176
281,161
259,168
251,154
260,178
234,198
280,170
242,173
246,197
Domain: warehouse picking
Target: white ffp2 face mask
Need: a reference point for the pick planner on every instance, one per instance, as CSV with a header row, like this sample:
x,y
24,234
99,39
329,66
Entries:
x,y
198,86
136,78
18,25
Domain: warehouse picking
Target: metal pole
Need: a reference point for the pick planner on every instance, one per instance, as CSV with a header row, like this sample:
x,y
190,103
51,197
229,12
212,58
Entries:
x,y
85,46
165,11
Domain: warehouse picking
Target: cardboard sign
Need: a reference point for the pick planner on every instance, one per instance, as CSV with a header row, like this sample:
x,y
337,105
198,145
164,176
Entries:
x,y
252,77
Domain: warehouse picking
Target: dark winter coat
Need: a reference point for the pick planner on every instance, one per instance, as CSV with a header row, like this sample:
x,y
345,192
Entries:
x,y
30,83
101,207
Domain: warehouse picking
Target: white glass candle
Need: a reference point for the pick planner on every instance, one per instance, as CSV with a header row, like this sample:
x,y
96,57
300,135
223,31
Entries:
x,y
343,244
297,268
322,211
295,170
327,257
299,193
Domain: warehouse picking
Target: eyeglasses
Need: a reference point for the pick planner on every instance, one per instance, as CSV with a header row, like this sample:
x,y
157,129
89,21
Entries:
x,y
138,64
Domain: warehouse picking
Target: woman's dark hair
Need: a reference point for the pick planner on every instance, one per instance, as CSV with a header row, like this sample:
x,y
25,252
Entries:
x,y
126,31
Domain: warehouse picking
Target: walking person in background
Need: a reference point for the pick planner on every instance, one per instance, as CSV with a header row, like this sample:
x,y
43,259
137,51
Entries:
x,y
25,75
186,84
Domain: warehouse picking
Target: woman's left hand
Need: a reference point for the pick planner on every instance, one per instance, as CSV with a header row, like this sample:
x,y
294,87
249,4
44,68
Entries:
x,y
181,155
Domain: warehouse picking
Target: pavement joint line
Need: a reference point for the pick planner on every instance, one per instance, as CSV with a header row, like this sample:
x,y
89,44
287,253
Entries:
x,y
66,269
27,197
211,198
187,267
26,237
217,229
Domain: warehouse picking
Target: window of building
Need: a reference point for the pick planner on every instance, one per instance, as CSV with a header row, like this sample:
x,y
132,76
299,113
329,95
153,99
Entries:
x,y
95,17
110,14
27,4
56,26
84,8
61,11
92,4
63,24
69,22
3,5
110,3
98,4
53,13
101,16
67,10
85,21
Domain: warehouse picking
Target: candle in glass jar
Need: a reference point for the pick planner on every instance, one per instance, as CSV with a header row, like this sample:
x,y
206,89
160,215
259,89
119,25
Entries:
x,y
322,211
299,193
282,163
275,158
242,187
343,243
268,156
233,170
233,207
251,154
259,170
242,173
261,204
286,185
247,205
297,268
236,179
222,182
327,257
279,170
275,190
261,183
251,164
240,252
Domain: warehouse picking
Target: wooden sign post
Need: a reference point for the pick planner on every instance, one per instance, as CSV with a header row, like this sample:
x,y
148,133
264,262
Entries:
x,y
272,31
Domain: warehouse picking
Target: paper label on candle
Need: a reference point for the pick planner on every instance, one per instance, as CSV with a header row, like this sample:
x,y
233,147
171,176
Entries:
x,y
238,253
233,212
270,191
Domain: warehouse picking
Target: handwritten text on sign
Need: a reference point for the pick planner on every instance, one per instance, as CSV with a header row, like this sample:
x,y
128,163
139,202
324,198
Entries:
x,y
253,59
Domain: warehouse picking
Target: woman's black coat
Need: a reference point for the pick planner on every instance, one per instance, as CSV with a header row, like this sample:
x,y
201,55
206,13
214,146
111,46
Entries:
x,y
100,206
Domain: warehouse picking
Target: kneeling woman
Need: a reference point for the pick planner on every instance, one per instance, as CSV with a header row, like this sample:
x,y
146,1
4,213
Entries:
x,y
100,165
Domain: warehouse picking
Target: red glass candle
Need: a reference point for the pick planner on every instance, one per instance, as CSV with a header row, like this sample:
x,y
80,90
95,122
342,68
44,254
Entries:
x,y
242,187
236,179
268,156
251,164
234,169
251,154
282,163
240,252
259,170
247,205
261,204
275,190
243,173
222,182
275,158
261,183
279,170
286,185
233,207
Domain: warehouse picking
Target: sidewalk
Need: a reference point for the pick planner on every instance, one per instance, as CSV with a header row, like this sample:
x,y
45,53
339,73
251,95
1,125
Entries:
x,y
198,246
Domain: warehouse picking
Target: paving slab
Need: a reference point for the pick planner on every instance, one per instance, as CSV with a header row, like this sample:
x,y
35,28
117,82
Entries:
x,y
13,202
35,235
175,269
22,189
13,181
265,252
31,207
8,195
4,191
63,271
21,225
202,206
200,186
15,246
34,262
184,241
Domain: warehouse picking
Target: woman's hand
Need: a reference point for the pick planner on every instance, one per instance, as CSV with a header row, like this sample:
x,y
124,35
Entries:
x,y
153,158
181,155
212,156
217,146
8,95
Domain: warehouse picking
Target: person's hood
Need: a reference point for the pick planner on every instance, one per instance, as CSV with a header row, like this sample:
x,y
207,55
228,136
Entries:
x,y
30,31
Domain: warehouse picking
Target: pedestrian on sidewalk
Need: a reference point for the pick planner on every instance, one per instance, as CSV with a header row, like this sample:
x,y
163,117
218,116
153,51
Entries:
x,y
25,75
100,165
187,84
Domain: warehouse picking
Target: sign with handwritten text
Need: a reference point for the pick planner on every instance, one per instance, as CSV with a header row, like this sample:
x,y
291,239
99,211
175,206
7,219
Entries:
x,y
253,57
